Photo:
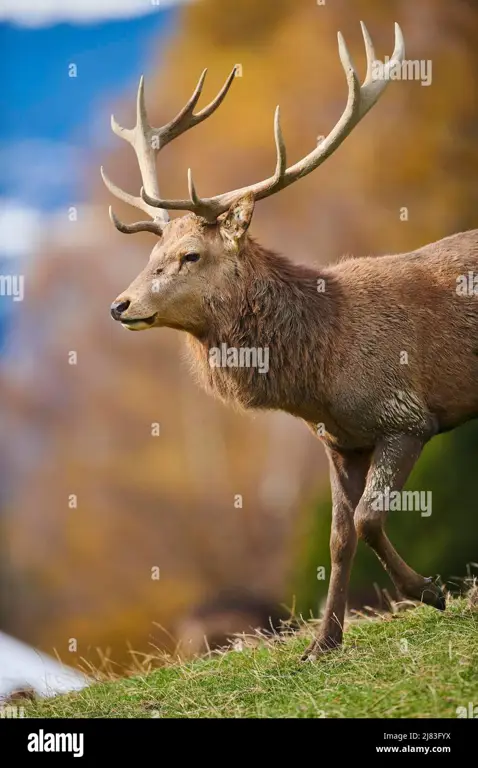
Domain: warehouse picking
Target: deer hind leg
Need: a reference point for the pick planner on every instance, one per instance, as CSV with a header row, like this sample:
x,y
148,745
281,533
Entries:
x,y
348,473
392,462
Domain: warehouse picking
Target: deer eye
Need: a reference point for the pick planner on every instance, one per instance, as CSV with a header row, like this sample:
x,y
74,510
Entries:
x,y
191,257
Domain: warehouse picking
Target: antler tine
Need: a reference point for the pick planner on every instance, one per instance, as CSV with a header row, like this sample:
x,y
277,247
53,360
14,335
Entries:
x,y
281,166
186,118
370,52
148,141
373,88
137,202
188,109
359,101
132,229
215,103
192,189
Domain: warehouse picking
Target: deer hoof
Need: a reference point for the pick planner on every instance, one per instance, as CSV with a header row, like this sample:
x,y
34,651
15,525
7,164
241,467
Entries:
x,y
433,594
319,647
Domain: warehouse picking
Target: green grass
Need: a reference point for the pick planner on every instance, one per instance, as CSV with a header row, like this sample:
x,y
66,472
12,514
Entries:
x,y
415,663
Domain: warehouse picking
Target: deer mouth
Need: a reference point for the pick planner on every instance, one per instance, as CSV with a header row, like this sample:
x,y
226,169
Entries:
x,y
138,324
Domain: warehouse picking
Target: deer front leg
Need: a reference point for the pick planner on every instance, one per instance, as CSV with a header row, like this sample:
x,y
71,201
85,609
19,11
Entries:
x,y
348,472
392,462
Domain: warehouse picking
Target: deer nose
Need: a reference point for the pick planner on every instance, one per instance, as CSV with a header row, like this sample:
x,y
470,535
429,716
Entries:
x,y
118,307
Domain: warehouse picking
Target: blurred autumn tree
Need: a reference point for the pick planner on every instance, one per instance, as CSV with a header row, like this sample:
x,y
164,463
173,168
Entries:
x,y
96,500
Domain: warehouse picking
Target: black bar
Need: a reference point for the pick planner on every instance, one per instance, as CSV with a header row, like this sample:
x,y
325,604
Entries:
x,y
135,738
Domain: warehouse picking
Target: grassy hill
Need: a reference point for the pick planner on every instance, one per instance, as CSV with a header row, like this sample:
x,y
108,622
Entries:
x,y
413,663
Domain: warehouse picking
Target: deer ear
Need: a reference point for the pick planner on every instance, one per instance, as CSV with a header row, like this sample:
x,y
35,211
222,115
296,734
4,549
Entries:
x,y
236,221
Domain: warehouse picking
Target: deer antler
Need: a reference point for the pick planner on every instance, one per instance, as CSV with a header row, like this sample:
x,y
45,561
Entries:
x,y
147,142
360,100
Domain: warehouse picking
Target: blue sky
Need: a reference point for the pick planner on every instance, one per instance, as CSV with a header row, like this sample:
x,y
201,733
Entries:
x,y
45,108
41,99
51,122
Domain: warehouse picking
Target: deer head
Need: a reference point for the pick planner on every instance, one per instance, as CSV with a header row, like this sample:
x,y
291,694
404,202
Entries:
x,y
197,255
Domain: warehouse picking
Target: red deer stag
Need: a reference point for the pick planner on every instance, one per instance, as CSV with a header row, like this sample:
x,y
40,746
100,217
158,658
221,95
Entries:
x,y
336,337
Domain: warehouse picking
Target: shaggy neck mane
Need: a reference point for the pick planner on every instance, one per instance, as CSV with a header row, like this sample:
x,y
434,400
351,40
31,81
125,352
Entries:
x,y
273,310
